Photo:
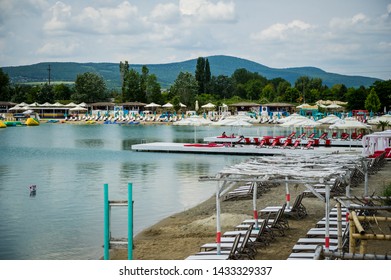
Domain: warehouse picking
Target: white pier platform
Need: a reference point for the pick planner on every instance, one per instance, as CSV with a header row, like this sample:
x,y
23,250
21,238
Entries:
x,y
237,150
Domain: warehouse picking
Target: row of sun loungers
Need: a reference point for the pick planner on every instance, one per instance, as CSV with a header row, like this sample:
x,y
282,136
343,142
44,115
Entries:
x,y
305,247
243,242
246,191
297,210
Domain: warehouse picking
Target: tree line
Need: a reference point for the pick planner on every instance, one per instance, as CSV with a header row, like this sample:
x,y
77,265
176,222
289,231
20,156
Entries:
x,y
201,85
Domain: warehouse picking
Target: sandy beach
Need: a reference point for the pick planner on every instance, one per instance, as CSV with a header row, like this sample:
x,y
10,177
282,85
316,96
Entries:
x,y
181,235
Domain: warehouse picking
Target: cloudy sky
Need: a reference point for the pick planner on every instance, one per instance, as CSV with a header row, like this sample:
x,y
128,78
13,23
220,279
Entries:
x,y
349,37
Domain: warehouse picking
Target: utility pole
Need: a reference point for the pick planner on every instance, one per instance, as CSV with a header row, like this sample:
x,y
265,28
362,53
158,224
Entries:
x,y
49,69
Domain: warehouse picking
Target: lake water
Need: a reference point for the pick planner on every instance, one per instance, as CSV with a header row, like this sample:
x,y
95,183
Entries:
x,y
71,163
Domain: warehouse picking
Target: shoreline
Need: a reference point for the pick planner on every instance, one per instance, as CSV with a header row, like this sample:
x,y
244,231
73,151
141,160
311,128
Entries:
x,y
181,234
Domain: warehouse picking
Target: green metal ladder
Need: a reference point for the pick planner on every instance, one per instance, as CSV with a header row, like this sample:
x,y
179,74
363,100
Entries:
x,y
109,242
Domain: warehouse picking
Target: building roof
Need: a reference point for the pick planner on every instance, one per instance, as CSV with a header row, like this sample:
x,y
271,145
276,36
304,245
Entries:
x,y
245,104
278,105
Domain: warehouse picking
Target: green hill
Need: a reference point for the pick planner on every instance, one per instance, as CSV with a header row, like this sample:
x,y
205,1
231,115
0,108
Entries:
x,y
167,73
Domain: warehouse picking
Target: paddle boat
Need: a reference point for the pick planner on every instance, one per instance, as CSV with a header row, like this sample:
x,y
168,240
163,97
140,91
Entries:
x,y
2,124
346,140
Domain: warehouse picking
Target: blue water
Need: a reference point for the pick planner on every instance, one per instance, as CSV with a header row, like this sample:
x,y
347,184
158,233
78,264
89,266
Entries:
x,y
71,163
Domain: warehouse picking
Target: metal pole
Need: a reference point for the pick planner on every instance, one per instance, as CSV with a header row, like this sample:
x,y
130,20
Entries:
x,y
287,194
366,163
327,235
339,218
218,226
130,221
106,244
255,204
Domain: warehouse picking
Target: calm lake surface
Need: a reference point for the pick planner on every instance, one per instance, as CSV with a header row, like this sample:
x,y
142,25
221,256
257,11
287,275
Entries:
x,y
71,163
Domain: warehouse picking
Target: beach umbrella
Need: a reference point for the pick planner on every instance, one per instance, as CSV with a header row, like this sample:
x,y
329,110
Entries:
x,y
304,105
333,106
208,106
152,105
349,123
196,106
182,105
78,108
28,111
330,119
384,118
307,123
168,105
15,108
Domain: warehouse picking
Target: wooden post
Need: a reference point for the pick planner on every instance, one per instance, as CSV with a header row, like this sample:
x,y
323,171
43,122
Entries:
x,y
363,246
357,223
352,241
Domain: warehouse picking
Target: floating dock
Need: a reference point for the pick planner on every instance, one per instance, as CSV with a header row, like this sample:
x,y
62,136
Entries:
x,y
166,147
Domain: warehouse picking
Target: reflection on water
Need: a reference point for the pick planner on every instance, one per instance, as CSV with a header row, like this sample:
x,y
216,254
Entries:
x,y
70,163
89,143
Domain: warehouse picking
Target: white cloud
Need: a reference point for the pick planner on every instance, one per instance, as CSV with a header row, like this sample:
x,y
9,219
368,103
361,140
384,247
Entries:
x,y
346,23
58,49
165,13
121,19
207,11
60,17
280,31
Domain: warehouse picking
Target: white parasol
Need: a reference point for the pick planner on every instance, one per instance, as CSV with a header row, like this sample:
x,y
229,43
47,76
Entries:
x,y
208,106
152,105
167,105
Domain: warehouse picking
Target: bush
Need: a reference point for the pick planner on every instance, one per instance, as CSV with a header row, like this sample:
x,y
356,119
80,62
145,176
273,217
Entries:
x,y
387,192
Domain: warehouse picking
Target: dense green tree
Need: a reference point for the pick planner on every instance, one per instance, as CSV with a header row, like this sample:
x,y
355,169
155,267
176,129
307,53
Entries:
x,y
372,102
383,90
268,92
242,76
45,94
311,89
302,84
356,98
62,92
89,88
281,90
4,86
338,92
292,95
143,83
19,93
208,73
123,69
132,87
200,74
222,87
185,87
154,93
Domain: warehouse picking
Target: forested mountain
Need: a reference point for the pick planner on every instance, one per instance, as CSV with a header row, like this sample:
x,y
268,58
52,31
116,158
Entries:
x,y
167,73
